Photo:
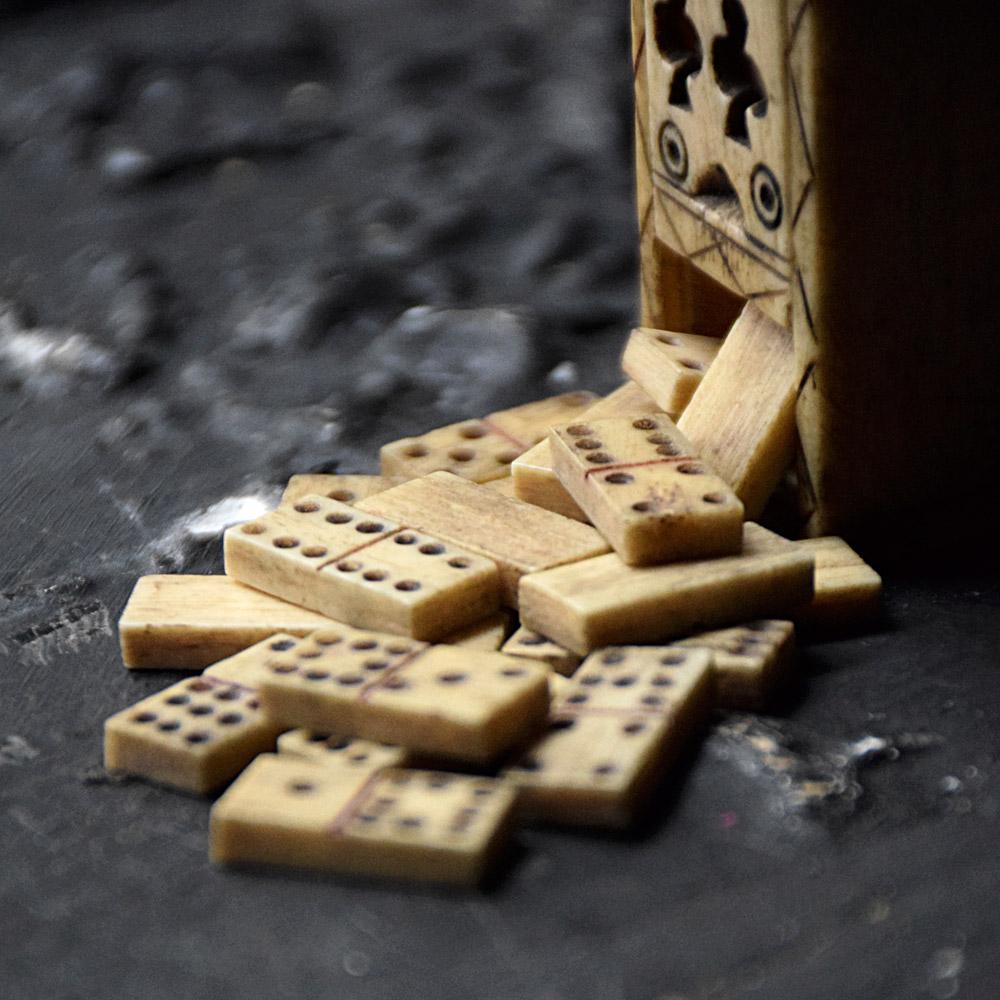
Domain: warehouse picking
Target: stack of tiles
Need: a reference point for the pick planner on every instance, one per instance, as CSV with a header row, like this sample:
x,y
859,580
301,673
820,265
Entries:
x,y
436,616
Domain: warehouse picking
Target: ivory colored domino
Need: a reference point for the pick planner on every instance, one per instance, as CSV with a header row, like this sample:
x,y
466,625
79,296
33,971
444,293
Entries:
x,y
419,825
341,751
613,733
346,489
602,602
532,476
199,733
505,486
481,450
668,366
848,590
487,635
741,417
647,492
189,622
749,661
370,572
518,537
531,646
440,700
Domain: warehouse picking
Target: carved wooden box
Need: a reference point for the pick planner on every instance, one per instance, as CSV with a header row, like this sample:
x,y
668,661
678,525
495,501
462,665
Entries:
x,y
834,161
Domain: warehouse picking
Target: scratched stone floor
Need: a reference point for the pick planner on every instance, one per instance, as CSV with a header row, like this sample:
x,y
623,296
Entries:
x,y
239,241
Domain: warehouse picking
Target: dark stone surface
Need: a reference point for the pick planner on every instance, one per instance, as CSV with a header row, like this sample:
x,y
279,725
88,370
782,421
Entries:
x,y
239,241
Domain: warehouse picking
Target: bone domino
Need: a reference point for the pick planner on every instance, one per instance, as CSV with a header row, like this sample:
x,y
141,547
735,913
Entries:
x,y
480,450
645,490
438,700
365,571
532,475
199,733
750,661
668,366
395,823
613,732
603,602
517,536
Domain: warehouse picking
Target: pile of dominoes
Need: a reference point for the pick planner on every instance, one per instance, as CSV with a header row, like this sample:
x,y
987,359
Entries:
x,y
525,618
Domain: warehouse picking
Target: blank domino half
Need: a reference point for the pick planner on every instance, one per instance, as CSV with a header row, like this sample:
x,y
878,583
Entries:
x,y
532,646
532,476
603,602
668,366
647,492
613,732
519,537
481,450
334,559
439,700
741,417
423,825
749,661
199,733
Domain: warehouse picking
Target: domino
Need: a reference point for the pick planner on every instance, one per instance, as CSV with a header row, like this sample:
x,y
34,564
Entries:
x,y
505,486
190,622
418,825
603,602
518,537
531,646
341,751
848,590
346,489
480,450
613,733
645,490
199,733
439,700
668,366
370,572
487,635
749,661
532,476
741,417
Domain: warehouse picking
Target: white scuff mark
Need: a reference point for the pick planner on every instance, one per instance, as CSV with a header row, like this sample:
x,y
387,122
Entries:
x,y
45,359
867,747
213,520
68,632
16,750
943,972
208,523
565,375
357,963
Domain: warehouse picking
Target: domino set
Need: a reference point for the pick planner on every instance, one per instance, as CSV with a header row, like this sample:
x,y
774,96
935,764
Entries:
x,y
524,618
